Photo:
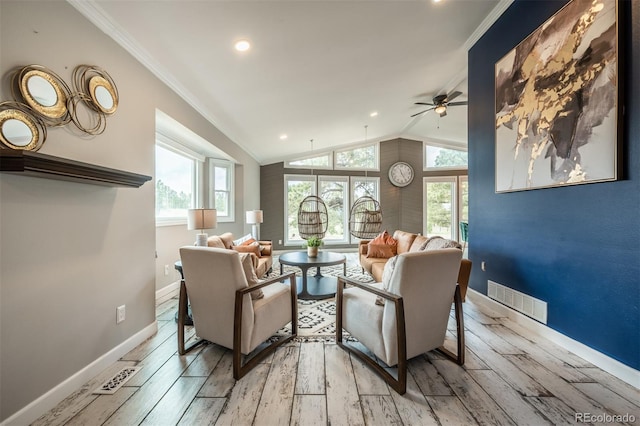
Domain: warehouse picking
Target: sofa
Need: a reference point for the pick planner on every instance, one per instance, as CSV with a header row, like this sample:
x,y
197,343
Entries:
x,y
261,251
409,242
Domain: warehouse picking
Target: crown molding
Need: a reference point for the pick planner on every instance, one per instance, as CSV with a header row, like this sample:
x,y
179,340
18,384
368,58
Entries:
x,y
101,19
487,23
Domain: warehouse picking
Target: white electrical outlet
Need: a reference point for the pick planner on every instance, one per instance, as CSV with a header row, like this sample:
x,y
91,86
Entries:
x,y
121,313
280,242
483,266
166,270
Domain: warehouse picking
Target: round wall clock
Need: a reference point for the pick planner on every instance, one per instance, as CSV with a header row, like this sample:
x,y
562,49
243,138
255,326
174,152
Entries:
x,y
401,174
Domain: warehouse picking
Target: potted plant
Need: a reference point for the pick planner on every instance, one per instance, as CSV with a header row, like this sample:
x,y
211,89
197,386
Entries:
x,y
312,246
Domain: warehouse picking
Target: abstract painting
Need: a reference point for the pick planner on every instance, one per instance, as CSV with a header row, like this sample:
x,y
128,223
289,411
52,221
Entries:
x,y
557,101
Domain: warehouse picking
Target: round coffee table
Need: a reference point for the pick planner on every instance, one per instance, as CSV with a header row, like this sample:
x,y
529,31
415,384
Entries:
x,y
316,286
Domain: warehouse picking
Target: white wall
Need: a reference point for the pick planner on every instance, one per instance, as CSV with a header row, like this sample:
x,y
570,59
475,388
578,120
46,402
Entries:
x,y
70,253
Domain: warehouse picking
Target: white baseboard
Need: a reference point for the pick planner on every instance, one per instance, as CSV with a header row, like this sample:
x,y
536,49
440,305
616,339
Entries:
x,y
168,292
608,364
46,402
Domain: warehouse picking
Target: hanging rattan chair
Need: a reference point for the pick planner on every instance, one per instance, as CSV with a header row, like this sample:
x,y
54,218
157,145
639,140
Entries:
x,y
312,217
365,219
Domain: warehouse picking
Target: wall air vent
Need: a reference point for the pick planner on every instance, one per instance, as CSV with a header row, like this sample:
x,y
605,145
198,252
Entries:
x,y
523,303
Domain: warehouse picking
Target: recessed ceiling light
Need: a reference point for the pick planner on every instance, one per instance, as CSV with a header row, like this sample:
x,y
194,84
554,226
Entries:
x,y
373,114
242,45
283,137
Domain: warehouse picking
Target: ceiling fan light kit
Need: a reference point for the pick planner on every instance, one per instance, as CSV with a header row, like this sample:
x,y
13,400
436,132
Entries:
x,y
440,104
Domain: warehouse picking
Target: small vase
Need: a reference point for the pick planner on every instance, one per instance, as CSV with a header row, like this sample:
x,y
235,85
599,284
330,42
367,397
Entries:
x,y
312,251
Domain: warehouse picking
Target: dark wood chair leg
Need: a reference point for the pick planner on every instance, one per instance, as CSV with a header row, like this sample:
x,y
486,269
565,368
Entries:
x,y
183,308
460,356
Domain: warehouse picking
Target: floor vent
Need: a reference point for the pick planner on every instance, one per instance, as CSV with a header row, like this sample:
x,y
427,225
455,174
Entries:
x,y
530,306
120,378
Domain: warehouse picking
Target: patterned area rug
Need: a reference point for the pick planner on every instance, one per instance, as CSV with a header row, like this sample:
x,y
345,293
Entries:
x,y
317,318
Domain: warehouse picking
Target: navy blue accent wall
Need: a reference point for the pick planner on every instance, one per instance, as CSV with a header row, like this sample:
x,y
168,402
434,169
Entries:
x,y
575,247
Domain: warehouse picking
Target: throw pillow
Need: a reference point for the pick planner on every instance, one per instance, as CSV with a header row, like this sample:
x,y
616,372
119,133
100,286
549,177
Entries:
x,y
241,240
248,242
227,239
437,242
382,246
383,251
387,272
250,274
215,241
250,248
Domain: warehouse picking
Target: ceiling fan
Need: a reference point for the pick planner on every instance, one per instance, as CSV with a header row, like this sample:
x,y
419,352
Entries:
x,y
440,104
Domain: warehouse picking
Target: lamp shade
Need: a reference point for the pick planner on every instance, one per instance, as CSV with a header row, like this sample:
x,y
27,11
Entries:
x,y
254,216
202,219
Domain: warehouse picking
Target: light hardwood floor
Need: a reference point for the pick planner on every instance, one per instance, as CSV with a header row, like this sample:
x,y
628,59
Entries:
x,y
510,377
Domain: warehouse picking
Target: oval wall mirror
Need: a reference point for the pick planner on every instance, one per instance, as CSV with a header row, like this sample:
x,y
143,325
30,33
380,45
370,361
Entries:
x,y
103,97
42,91
45,92
19,129
103,94
16,132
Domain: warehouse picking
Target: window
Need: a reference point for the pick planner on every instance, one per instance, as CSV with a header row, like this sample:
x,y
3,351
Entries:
x,y
463,184
440,199
221,174
323,161
446,203
334,191
361,186
296,187
176,189
338,194
437,157
360,158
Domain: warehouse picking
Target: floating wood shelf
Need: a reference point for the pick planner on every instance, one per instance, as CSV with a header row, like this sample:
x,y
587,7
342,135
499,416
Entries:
x,y
49,167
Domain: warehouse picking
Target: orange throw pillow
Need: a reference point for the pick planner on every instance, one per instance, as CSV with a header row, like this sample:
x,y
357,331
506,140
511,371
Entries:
x,y
382,246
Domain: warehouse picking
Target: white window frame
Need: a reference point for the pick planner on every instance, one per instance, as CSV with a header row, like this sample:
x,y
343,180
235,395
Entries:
x,y
456,208
314,188
329,154
376,167
230,166
444,146
179,149
347,206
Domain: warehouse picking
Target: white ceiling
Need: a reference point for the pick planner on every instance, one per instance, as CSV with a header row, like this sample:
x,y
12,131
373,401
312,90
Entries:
x,y
316,69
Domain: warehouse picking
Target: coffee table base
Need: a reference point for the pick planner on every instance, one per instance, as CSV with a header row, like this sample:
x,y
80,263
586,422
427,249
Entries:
x,y
317,288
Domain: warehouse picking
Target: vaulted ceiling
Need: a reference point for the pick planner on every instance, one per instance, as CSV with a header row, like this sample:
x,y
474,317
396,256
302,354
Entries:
x,y
315,70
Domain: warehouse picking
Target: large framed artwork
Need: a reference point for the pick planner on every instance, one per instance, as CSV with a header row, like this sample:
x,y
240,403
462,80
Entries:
x,y
557,101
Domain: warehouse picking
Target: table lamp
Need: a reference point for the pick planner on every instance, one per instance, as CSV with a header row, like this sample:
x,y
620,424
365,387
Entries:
x,y
254,218
201,219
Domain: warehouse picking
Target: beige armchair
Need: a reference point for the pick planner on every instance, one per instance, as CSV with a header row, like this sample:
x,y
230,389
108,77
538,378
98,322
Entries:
x,y
223,310
414,317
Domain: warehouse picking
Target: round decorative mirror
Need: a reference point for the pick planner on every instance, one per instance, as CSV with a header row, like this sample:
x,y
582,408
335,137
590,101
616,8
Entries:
x,y
19,129
103,97
16,132
103,94
44,91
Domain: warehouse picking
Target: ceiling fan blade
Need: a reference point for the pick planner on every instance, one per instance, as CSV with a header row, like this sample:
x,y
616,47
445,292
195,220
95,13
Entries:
x,y
451,96
421,112
424,103
457,103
